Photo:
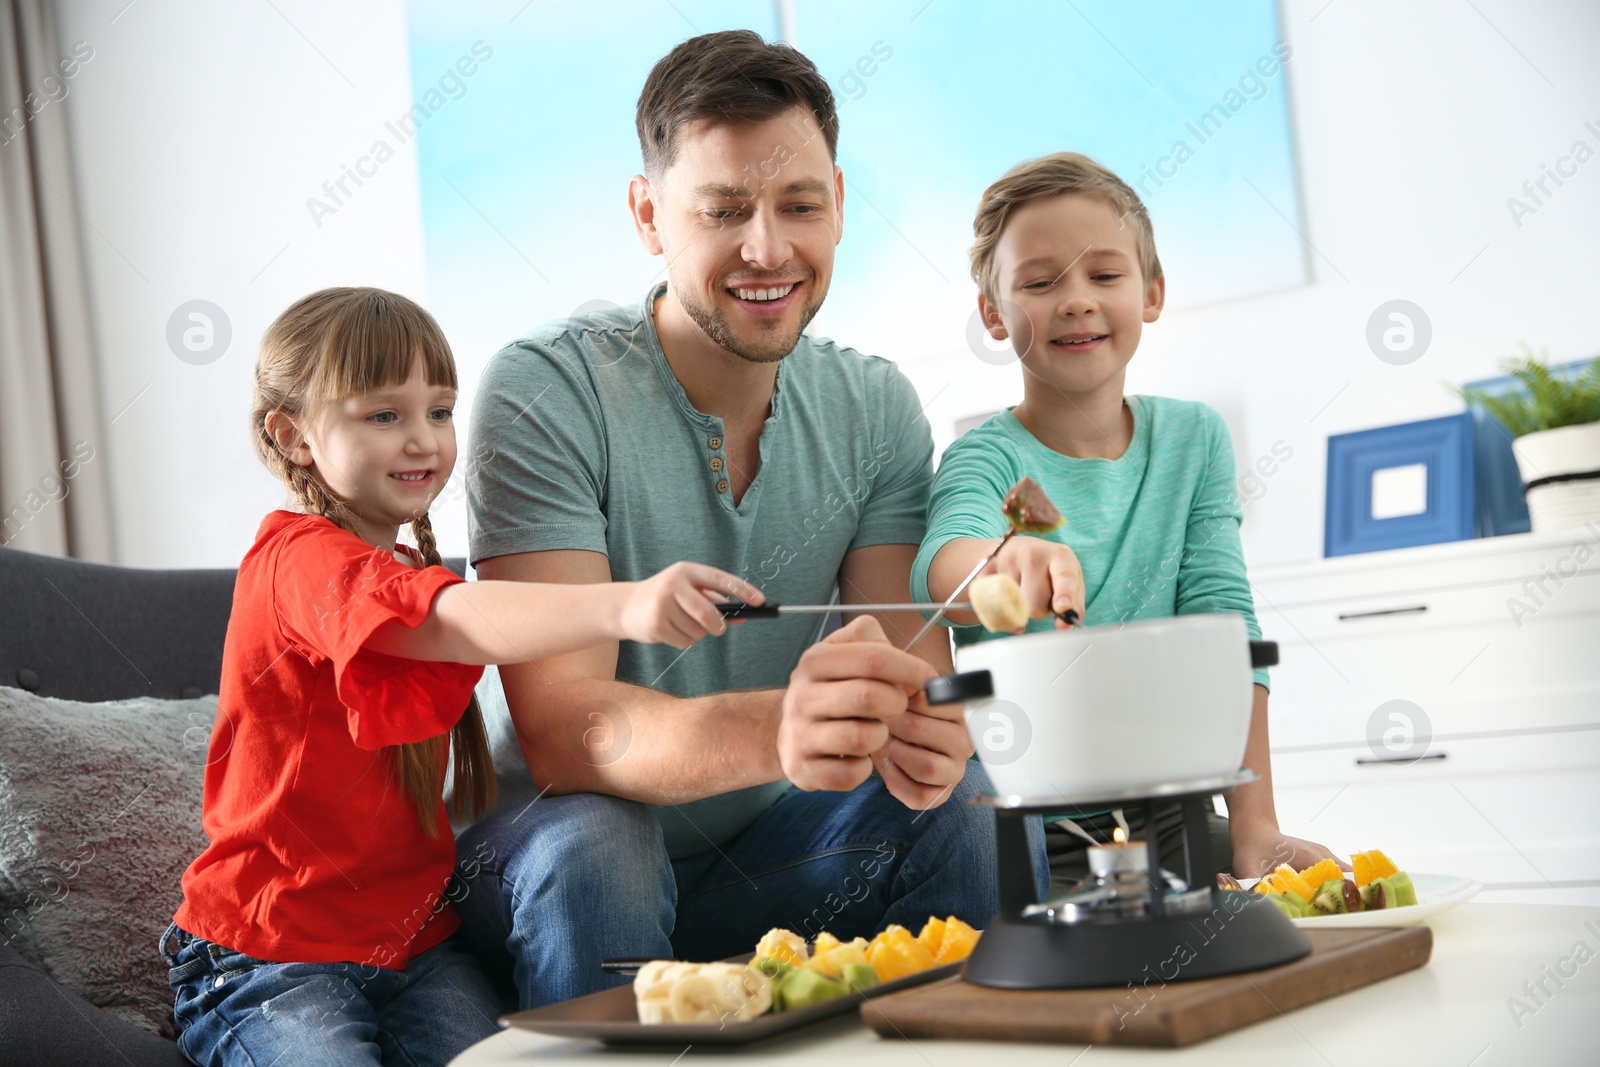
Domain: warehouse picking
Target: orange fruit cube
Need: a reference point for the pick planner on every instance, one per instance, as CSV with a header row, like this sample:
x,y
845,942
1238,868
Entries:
x,y
959,941
933,933
825,943
1286,880
894,953
1319,872
1370,866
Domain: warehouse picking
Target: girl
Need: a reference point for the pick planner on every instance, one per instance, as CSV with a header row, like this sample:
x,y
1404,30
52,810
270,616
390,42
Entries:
x,y
316,927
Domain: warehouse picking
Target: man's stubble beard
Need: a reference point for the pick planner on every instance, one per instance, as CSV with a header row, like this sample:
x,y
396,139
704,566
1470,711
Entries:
x,y
716,326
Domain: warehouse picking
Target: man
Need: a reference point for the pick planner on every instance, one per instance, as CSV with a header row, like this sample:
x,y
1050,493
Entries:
x,y
690,801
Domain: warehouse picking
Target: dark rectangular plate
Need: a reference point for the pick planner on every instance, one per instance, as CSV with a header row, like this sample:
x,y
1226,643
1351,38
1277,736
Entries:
x,y
610,1018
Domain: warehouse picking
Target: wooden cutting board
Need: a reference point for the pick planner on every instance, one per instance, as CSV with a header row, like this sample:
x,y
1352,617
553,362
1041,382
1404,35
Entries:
x,y
1170,1015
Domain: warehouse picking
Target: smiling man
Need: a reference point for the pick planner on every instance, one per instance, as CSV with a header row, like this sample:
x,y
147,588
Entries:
x,y
765,777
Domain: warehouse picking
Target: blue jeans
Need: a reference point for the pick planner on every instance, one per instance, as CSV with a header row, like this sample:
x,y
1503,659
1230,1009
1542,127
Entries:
x,y
238,1010
560,884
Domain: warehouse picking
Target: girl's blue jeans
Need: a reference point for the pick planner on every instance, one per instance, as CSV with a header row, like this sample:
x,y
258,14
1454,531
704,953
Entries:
x,y
237,1010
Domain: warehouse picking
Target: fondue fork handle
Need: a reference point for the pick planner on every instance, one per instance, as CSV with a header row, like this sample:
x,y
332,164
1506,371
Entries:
x,y
962,588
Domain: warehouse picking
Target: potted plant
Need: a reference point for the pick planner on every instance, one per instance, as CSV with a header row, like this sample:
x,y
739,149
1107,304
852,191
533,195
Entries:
x,y
1554,420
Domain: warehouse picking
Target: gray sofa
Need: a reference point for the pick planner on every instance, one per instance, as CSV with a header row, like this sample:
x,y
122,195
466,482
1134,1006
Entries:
x,y
91,633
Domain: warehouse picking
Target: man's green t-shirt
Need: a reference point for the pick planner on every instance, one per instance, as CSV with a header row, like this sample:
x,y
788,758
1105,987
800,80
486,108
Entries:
x,y
582,438
1156,530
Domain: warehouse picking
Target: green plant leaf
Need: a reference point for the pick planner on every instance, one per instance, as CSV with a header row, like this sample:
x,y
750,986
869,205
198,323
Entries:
x,y
1546,400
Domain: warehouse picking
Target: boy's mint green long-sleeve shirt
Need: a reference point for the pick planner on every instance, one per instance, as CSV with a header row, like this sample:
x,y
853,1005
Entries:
x,y
1155,530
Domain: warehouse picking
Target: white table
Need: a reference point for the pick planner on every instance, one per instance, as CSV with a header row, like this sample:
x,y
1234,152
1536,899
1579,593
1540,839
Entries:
x,y
1453,1012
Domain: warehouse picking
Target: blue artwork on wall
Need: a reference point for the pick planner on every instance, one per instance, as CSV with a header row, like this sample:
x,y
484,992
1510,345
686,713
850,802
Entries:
x,y
1397,486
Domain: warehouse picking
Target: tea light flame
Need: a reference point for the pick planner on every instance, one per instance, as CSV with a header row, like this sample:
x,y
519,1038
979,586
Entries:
x,y
1119,836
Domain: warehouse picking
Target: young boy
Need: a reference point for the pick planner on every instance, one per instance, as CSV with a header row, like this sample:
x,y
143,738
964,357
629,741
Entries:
x,y
1066,266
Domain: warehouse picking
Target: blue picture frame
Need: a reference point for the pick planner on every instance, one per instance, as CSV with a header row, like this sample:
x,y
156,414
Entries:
x,y
1444,446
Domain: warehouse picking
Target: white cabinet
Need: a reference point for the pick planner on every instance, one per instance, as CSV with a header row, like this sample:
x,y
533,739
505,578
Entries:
x,y
1443,703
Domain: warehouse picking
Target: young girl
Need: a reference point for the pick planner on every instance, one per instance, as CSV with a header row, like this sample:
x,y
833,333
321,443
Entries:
x,y
317,925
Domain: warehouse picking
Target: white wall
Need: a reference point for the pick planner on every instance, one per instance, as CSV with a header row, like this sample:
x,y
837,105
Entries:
x,y
1415,122
200,130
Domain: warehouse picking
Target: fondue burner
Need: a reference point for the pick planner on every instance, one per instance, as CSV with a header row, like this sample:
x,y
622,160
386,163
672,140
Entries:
x,y
1129,921
1120,887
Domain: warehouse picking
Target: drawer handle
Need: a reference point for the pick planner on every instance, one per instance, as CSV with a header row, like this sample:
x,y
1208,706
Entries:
x,y
1416,610
1403,761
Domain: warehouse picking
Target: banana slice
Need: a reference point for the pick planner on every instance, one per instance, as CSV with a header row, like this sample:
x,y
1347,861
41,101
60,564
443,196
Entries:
x,y
695,998
998,601
667,991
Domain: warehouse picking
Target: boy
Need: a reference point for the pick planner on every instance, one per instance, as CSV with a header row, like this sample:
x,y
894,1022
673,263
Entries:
x,y
1066,267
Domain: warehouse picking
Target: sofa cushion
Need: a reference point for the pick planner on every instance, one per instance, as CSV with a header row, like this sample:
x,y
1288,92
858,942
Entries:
x,y
99,817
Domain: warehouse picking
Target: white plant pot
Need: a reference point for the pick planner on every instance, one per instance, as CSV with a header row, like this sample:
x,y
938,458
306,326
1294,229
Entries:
x,y
1570,457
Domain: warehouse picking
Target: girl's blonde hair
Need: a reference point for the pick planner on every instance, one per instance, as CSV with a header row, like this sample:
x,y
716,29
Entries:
x,y
327,346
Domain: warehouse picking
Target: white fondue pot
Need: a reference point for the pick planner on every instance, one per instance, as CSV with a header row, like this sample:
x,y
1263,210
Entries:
x,y
1110,709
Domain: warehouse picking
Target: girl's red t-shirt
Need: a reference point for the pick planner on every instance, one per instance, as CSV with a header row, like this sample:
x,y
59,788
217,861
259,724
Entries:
x,y
317,854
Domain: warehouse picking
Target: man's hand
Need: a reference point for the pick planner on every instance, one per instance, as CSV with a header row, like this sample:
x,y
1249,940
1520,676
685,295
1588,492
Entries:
x,y
837,711
927,753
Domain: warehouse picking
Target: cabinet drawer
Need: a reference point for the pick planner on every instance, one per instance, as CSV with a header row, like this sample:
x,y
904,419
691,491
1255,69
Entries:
x,y
1508,828
1466,680
1441,759
1500,810
1508,606
1493,561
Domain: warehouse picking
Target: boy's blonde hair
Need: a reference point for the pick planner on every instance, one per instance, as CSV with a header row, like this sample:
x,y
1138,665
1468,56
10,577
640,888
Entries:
x,y
1045,177
327,346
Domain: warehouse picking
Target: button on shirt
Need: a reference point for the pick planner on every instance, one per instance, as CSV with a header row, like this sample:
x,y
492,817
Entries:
x,y
584,439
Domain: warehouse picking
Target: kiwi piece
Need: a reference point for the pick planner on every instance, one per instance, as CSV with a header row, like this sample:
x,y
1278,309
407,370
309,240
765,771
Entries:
x,y
804,988
1285,905
774,969
859,976
1329,897
1405,894
1375,895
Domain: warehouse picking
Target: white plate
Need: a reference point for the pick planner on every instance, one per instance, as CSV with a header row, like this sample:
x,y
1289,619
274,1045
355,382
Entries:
x,y
1435,893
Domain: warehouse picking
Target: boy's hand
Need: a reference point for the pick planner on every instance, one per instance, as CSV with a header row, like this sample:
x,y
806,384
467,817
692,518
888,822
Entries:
x,y
842,697
677,607
1257,850
1048,572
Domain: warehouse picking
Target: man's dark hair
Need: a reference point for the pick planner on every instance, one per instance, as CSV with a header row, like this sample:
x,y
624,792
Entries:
x,y
730,76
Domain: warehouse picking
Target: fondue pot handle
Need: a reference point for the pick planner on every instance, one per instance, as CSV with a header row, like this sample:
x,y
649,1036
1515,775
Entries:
x,y
1263,653
959,688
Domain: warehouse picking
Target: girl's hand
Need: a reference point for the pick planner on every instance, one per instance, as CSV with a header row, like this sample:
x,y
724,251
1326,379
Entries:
x,y
677,606
1048,572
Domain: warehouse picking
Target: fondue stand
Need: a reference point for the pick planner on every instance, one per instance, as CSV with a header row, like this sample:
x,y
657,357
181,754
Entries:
x,y
1129,918
1123,922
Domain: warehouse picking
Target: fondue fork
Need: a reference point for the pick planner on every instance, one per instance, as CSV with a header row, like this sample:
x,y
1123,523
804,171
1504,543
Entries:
x,y
1070,616
950,605
734,609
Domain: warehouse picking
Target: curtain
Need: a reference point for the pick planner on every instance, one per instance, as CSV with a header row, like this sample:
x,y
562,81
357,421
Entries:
x,y
53,486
